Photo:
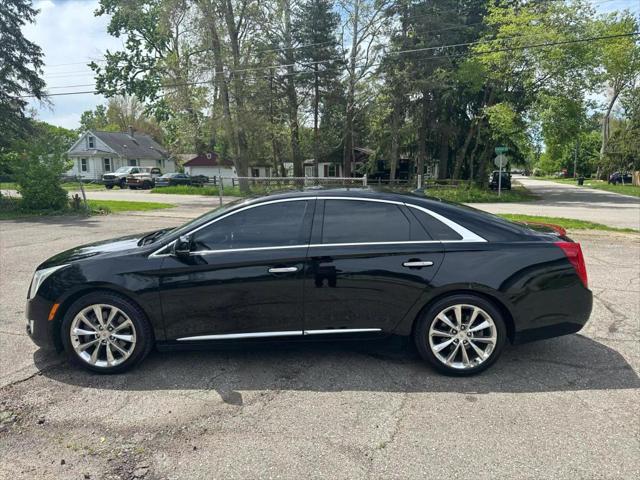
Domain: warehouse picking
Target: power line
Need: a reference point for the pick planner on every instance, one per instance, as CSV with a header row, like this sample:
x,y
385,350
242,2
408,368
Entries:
x,y
271,67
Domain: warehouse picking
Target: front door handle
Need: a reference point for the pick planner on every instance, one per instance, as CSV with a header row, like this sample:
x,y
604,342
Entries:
x,y
417,264
283,269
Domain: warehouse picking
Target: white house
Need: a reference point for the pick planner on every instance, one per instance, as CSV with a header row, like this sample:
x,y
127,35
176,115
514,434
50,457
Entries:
x,y
96,153
212,165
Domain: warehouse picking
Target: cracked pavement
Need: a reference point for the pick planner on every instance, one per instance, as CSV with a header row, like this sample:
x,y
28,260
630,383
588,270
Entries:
x,y
562,408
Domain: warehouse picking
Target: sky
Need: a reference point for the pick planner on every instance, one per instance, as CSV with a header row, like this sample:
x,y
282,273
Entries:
x,y
71,36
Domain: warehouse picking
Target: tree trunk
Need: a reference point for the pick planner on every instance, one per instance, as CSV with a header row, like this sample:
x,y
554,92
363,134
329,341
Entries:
x,y
422,137
351,94
238,93
443,160
463,151
395,140
292,96
605,129
316,119
216,47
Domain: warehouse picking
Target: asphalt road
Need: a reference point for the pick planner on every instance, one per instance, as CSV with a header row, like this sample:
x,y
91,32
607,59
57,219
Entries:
x,y
563,408
569,201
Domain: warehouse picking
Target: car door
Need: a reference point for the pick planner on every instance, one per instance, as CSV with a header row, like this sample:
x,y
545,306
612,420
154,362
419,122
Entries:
x,y
369,262
243,276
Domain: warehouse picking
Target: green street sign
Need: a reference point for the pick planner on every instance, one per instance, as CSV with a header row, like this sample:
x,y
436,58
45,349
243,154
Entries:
x,y
500,150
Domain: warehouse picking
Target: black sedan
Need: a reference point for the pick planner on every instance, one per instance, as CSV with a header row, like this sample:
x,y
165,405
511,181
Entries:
x,y
333,264
173,179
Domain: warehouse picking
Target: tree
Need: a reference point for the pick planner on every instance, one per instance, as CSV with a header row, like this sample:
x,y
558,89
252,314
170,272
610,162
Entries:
x,y
158,64
40,162
95,119
620,60
365,21
21,64
315,30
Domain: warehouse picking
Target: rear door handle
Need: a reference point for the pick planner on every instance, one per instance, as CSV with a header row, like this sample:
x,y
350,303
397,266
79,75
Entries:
x,y
283,269
417,264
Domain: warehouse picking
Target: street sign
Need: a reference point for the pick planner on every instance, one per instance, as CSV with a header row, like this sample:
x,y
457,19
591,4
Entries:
x,y
501,161
500,150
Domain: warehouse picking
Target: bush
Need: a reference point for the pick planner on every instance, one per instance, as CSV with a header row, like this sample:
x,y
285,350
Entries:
x,y
41,162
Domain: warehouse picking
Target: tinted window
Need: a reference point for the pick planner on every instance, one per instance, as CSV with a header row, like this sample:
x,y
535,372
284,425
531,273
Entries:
x,y
353,221
278,224
435,228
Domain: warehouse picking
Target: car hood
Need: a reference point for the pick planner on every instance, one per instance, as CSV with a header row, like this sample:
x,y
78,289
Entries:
x,y
107,247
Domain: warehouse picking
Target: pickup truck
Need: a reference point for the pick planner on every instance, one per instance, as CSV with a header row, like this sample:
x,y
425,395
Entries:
x,y
144,179
119,177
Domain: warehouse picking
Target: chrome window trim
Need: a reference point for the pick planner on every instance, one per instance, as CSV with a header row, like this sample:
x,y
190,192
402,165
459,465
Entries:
x,y
467,235
285,333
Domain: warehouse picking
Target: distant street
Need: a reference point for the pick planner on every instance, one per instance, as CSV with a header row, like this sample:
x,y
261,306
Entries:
x,y
561,200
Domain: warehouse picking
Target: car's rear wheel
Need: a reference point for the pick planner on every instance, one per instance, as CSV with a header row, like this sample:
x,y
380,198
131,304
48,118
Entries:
x,y
106,333
108,187
461,335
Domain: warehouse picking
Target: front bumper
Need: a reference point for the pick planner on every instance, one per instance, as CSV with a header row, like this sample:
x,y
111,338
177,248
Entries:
x,y
111,181
42,331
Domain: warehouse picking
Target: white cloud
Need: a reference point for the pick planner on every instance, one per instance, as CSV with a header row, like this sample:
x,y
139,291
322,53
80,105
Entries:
x,y
70,36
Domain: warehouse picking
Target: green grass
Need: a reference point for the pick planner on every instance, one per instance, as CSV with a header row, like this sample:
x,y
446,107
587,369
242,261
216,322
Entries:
x,y
73,186
466,194
598,185
114,206
190,190
11,208
568,223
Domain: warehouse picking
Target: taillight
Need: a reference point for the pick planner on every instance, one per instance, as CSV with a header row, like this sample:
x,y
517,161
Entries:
x,y
574,255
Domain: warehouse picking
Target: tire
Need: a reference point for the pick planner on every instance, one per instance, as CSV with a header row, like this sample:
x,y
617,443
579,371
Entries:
x,y
431,332
122,185
147,186
131,326
108,187
131,187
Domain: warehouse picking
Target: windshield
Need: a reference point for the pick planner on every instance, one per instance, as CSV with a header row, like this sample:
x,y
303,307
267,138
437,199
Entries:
x,y
124,170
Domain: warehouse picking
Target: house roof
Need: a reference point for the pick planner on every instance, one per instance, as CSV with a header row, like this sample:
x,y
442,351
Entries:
x,y
140,145
210,159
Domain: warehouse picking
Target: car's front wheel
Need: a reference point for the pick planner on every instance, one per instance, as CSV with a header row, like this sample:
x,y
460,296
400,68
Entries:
x,y
108,187
106,333
460,335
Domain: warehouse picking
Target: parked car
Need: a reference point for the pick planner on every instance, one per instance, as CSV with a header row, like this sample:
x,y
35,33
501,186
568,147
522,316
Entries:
x,y
312,265
172,179
119,177
506,180
145,179
619,177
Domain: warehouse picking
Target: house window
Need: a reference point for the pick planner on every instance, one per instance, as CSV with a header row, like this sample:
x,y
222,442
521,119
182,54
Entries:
x,y
255,172
91,141
132,162
160,163
84,165
106,163
332,170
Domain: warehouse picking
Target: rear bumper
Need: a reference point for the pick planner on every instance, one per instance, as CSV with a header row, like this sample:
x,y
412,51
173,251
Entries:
x,y
561,324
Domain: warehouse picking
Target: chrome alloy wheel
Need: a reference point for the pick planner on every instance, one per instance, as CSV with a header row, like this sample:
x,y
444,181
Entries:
x,y
463,336
102,335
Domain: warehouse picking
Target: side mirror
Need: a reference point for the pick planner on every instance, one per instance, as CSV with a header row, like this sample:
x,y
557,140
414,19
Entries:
x,y
181,247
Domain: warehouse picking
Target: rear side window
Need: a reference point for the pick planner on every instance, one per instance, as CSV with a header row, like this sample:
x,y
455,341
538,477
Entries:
x,y
274,225
435,228
354,221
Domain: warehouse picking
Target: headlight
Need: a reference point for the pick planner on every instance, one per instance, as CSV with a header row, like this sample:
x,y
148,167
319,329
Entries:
x,y
40,276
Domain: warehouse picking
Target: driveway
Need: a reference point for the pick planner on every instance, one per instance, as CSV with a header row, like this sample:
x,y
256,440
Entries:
x,y
561,200
563,408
